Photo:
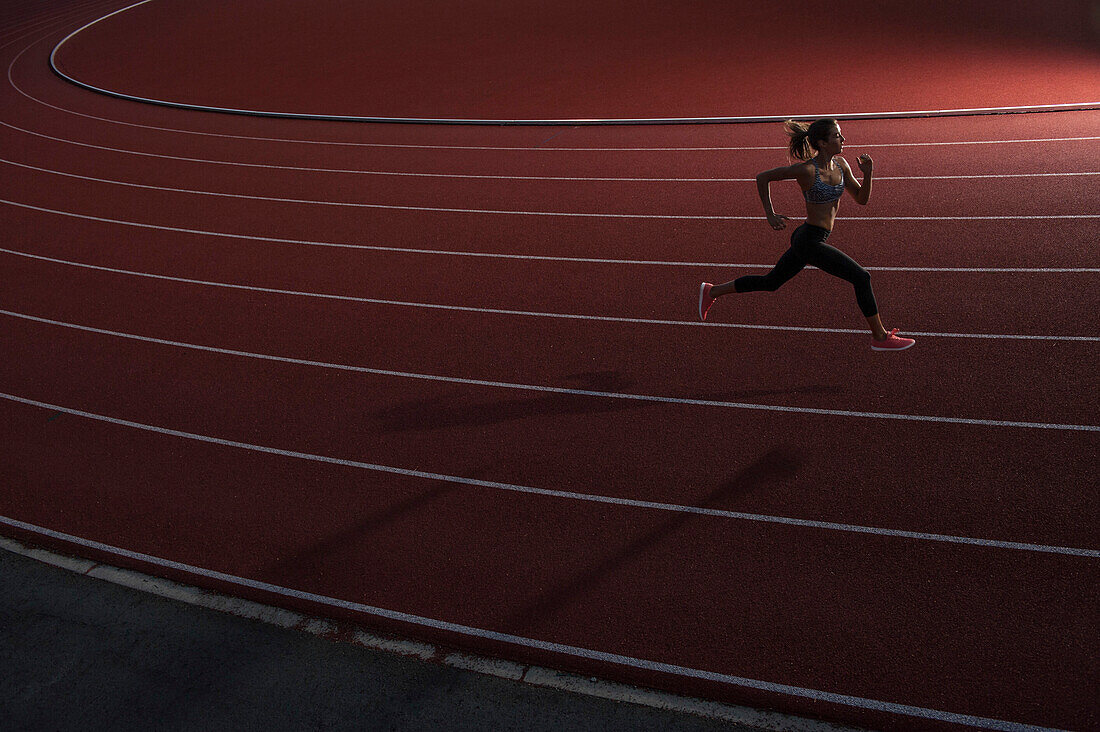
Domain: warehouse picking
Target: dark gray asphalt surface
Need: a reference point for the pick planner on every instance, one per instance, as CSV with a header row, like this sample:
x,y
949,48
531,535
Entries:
x,y
78,653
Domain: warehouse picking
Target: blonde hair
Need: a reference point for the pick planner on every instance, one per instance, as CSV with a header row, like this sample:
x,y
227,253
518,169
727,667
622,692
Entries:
x,y
804,136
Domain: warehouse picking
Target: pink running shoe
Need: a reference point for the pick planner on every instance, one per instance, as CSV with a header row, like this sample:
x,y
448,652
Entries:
x,y
705,300
892,342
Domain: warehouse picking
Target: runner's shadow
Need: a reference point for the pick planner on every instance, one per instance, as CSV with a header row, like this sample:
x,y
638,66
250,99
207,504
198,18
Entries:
x,y
311,561
779,464
808,389
444,412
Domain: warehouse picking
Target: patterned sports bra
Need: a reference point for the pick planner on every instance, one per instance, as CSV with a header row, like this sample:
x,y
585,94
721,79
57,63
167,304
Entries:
x,y
822,192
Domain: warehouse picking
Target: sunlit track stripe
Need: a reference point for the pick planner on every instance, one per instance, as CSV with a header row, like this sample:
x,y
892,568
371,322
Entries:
x,y
572,495
473,176
413,146
509,148
526,313
269,166
516,148
575,651
525,257
1072,106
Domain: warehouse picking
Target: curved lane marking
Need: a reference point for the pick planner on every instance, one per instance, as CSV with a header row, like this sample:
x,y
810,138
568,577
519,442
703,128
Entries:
x,y
530,313
567,214
1072,106
551,647
569,495
416,174
567,391
526,257
512,148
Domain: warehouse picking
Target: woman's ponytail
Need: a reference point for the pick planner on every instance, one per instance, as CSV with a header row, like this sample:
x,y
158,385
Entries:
x,y
799,147
805,136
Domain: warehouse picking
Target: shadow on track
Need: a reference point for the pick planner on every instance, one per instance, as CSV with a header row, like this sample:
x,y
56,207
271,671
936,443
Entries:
x,y
445,412
448,412
778,464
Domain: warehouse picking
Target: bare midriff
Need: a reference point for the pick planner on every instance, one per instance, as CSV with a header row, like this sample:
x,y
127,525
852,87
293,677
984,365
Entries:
x,y
822,214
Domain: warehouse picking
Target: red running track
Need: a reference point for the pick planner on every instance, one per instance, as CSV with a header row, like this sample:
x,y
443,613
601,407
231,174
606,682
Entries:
x,y
446,408
613,59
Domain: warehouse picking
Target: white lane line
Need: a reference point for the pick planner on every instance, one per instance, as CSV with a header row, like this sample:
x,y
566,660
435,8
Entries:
x,y
471,176
410,146
509,212
524,642
570,495
175,130
646,398
578,121
527,257
530,313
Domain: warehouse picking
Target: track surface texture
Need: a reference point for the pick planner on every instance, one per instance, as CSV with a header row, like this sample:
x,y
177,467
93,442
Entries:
x,y
449,381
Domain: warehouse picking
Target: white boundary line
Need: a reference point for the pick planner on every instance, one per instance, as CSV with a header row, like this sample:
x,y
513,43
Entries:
x,y
563,214
575,651
570,495
468,176
509,148
525,257
531,313
348,633
340,143
557,390
601,121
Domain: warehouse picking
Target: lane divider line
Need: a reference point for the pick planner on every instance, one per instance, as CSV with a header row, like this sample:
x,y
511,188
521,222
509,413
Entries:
x,y
528,257
413,174
530,313
170,189
579,214
561,390
518,149
524,642
413,146
570,495
1071,106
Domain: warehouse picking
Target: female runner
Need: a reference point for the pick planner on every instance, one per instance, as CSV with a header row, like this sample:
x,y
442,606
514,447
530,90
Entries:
x,y
823,176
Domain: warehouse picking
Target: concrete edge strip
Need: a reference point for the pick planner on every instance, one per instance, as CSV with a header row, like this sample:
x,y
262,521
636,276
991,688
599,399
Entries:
x,y
347,633
572,681
1072,106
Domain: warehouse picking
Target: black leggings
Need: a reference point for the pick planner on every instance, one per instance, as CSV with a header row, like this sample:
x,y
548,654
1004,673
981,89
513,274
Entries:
x,y
808,247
